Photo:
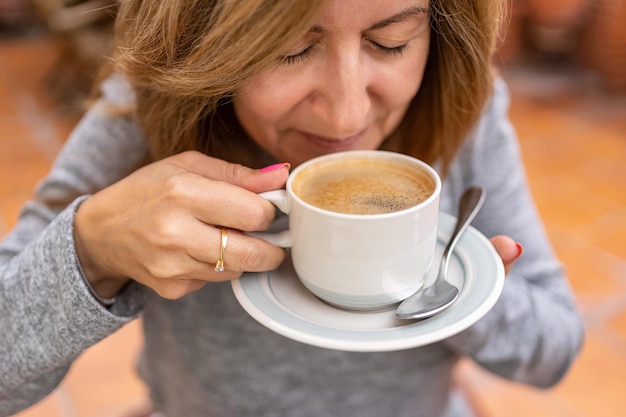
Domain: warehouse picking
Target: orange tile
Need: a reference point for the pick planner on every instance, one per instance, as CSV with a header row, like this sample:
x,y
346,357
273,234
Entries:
x,y
593,273
617,323
574,212
7,105
615,244
595,386
564,241
15,141
604,227
10,207
606,142
495,397
606,177
19,174
554,188
552,154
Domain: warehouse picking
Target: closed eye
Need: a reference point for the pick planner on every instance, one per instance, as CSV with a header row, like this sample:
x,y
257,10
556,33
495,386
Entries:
x,y
298,57
305,53
389,51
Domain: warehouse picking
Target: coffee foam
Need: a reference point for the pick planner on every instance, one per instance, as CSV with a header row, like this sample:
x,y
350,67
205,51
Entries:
x,y
363,185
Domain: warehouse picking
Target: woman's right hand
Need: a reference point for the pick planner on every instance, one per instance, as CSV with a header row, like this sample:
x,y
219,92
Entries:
x,y
161,225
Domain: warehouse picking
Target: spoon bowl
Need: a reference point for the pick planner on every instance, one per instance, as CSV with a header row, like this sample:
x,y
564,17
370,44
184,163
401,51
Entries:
x,y
440,295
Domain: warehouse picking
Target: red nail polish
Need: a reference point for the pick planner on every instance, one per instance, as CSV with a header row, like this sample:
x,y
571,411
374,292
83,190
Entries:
x,y
520,250
274,167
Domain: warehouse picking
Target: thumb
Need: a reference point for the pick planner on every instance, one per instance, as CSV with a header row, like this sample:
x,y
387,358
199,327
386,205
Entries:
x,y
508,249
254,180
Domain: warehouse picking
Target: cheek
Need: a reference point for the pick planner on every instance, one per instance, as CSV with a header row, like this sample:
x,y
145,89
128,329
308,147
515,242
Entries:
x,y
257,117
263,114
396,92
266,102
399,83
413,75
253,108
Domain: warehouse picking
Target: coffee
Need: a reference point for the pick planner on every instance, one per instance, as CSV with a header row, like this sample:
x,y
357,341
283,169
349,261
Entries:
x,y
362,185
365,261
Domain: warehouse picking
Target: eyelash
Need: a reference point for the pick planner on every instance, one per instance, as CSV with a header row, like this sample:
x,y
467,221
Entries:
x,y
299,57
394,51
302,56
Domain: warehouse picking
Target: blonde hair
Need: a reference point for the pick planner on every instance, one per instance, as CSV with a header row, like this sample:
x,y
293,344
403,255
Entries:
x,y
186,58
457,81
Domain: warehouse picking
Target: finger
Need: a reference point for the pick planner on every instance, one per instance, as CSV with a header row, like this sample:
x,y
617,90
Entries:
x,y
242,253
254,180
173,275
221,203
218,202
173,289
508,249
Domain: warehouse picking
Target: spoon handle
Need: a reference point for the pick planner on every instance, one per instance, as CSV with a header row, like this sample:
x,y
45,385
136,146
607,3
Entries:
x,y
470,203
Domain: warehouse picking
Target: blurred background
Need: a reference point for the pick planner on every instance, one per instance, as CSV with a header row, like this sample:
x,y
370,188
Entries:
x,y
565,62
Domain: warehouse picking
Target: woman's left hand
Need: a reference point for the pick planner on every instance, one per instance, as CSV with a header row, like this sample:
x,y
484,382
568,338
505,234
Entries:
x,y
508,249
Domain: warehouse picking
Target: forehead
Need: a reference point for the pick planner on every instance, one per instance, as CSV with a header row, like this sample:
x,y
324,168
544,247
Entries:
x,y
365,15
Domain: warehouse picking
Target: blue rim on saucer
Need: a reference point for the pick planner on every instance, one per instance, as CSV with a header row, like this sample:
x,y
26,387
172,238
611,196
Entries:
x,y
278,300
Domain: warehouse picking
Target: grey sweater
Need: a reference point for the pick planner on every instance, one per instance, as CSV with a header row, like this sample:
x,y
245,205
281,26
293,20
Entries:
x,y
204,356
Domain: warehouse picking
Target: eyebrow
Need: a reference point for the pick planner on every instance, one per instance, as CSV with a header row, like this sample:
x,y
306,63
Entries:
x,y
403,15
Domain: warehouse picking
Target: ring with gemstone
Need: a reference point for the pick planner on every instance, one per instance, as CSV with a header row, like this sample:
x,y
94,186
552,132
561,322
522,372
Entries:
x,y
219,265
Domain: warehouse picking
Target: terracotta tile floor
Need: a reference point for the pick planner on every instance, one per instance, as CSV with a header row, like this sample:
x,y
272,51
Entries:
x,y
574,143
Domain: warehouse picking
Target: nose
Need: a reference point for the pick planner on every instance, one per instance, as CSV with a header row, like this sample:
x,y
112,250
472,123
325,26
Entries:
x,y
341,98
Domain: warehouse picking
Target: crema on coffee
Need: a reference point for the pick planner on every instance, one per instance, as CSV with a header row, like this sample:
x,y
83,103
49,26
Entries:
x,y
362,185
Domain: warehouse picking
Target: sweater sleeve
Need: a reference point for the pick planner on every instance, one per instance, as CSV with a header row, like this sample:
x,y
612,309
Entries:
x,y
534,332
47,315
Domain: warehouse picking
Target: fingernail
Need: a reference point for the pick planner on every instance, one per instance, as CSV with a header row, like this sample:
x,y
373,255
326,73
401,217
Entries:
x,y
274,167
520,250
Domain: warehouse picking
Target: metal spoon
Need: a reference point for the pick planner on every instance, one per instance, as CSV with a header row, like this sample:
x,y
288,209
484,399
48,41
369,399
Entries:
x,y
435,298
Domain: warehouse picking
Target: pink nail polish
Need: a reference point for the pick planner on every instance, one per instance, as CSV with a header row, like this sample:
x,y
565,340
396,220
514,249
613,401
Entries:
x,y
274,167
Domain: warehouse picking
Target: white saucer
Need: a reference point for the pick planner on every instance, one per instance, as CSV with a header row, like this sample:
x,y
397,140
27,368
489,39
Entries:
x,y
280,302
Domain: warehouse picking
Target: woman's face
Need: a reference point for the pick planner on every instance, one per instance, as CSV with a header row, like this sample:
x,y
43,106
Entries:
x,y
345,86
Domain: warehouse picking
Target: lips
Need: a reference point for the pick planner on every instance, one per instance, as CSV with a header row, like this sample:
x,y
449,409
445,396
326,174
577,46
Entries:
x,y
332,143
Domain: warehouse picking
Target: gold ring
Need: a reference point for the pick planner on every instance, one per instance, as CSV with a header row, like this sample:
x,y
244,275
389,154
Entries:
x,y
219,265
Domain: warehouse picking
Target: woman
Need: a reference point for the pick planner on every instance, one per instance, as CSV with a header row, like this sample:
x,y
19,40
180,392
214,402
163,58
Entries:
x,y
209,103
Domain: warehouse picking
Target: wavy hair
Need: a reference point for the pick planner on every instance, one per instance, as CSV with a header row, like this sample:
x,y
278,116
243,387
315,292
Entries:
x,y
458,80
186,58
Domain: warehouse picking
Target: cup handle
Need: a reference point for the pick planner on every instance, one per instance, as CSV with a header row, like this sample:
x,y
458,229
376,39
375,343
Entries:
x,y
281,200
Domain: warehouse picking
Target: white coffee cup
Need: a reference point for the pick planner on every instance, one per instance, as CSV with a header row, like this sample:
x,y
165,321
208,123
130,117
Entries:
x,y
360,261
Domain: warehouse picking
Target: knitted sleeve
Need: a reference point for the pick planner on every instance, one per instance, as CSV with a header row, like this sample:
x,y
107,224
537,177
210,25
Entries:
x,y
534,331
47,315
